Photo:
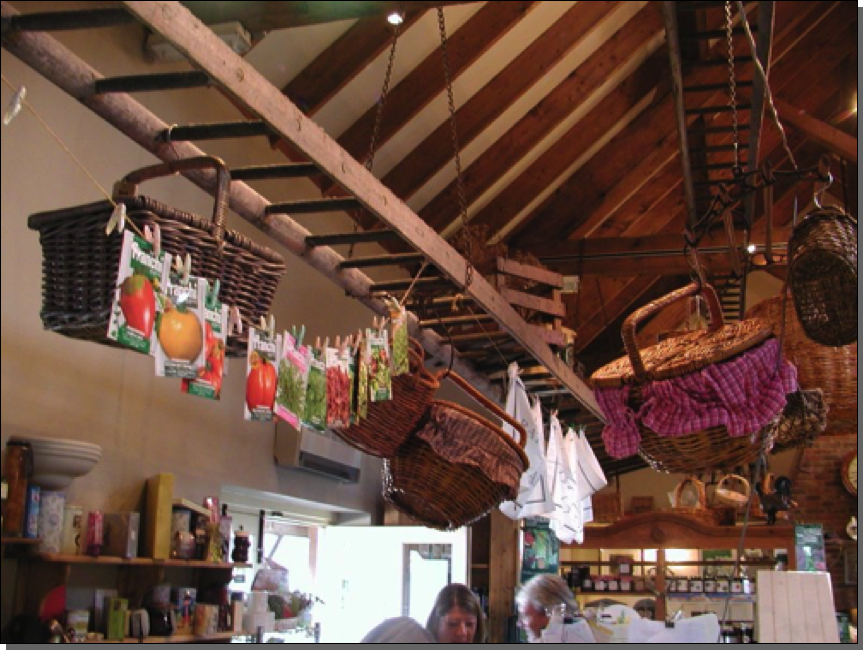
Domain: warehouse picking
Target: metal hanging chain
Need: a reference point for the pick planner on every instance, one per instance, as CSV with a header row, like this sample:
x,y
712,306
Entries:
x,y
732,85
462,198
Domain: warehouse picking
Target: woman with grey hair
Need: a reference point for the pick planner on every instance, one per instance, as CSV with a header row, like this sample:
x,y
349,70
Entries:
x,y
547,610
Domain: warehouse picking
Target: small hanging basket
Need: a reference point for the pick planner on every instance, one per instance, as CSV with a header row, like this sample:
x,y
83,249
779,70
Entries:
x,y
456,466
802,421
389,423
80,262
823,276
699,511
732,490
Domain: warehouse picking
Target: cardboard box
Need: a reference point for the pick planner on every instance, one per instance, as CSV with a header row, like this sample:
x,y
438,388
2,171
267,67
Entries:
x,y
121,534
183,601
117,608
157,533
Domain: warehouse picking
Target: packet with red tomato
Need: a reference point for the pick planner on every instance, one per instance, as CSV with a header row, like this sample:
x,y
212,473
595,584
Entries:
x,y
180,326
261,375
208,382
136,299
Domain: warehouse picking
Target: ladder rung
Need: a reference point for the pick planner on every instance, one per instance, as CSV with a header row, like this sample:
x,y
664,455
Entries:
x,y
382,260
715,33
710,130
313,206
719,147
697,6
263,172
713,167
404,285
367,237
708,110
215,131
713,183
456,320
67,20
711,88
147,82
716,63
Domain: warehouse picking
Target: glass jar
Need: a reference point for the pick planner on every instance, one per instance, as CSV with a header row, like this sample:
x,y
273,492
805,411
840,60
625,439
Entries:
x,y
696,586
17,469
729,634
746,633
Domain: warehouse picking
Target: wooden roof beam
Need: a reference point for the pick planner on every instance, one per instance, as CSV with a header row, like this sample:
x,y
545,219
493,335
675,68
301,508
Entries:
x,y
245,84
827,136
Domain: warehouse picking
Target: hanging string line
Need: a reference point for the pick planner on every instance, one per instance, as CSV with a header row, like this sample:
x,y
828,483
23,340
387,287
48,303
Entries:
x,y
71,154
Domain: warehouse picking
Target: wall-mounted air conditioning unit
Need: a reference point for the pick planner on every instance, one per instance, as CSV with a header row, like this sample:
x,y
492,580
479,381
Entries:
x,y
316,451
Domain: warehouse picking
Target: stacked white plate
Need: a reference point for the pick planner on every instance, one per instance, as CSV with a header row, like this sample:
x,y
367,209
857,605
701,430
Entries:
x,y
57,462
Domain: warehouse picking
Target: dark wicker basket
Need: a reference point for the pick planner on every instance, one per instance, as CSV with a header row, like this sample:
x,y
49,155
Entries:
x,y
448,477
390,423
702,451
80,262
803,420
823,276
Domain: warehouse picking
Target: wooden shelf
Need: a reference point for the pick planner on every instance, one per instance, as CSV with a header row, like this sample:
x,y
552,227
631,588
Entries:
x,y
176,638
613,594
19,541
138,561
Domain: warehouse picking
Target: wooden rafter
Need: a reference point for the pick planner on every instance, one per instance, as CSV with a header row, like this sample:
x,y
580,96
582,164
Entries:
x,y
553,108
824,134
490,101
260,17
247,86
334,68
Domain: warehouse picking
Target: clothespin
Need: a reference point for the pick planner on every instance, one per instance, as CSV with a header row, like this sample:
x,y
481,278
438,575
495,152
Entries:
x,y
154,236
213,294
326,343
338,344
235,321
317,342
298,335
117,220
15,105
269,328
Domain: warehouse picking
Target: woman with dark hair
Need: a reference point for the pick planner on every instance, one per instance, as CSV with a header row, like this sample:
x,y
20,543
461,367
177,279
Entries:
x,y
457,616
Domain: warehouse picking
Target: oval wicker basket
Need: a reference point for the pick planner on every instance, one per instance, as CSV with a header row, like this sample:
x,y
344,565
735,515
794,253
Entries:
x,y
823,276
709,449
833,370
456,466
390,423
727,494
80,262
700,511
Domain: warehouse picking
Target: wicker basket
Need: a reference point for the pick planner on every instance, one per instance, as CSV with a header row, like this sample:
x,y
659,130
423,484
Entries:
x,y
802,421
823,276
80,262
833,370
448,476
699,512
390,423
709,449
727,494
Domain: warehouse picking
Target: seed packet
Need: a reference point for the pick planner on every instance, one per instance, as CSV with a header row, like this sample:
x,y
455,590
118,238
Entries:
x,y
208,382
180,326
380,374
136,299
338,390
399,319
293,378
316,392
349,364
361,393
261,375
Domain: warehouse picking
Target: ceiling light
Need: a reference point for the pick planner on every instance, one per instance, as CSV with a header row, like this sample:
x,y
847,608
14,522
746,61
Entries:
x,y
751,248
395,18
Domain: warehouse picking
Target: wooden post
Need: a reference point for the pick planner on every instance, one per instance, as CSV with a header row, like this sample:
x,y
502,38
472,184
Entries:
x,y
503,574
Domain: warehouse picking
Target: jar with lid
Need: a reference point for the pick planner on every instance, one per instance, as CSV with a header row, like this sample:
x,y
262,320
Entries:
x,y
17,470
746,635
729,634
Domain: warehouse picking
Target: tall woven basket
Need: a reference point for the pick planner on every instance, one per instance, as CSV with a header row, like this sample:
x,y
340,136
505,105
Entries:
x,y
456,466
80,262
823,276
389,423
832,369
703,451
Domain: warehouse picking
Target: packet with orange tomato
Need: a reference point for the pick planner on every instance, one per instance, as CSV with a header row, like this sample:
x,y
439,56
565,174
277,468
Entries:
x,y
261,375
208,382
136,299
180,326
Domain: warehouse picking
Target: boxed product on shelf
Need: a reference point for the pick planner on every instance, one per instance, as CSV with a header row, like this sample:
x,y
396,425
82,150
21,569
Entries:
x,y
121,534
183,601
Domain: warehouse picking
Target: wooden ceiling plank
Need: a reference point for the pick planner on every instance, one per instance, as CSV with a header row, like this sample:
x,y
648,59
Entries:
x,y
260,17
426,81
208,53
545,116
615,306
572,145
336,66
824,134
510,84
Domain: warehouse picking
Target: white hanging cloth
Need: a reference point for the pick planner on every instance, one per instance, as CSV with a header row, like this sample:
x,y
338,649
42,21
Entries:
x,y
591,478
534,496
567,519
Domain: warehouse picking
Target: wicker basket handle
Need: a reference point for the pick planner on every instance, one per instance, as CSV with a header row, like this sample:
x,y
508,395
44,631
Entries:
x,y
128,186
735,477
491,406
700,492
629,326
768,484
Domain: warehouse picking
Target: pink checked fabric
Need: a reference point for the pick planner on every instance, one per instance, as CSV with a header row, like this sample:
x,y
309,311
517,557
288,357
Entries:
x,y
743,395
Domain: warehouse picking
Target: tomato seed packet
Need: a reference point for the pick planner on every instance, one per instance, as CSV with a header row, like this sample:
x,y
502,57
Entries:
x,y
136,299
261,375
315,415
378,356
293,379
180,326
208,382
